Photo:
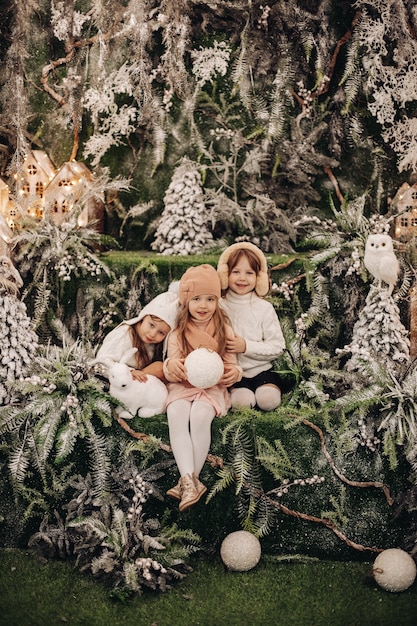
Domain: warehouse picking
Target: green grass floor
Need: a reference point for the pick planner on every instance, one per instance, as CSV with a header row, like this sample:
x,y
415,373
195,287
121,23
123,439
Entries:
x,y
316,593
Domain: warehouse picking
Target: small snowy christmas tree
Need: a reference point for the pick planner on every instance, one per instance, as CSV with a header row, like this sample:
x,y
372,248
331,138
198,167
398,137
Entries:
x,y
183,227
378,335
18,340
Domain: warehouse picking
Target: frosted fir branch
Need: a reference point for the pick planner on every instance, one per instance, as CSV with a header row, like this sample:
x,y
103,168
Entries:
x,y
404,143
66,23
112,123
112,132
211,61
138,210
18,344
399,404
101,99
388,55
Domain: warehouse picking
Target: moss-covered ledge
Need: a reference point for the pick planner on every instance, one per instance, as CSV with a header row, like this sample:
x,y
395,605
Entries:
x,y
169,268
349,513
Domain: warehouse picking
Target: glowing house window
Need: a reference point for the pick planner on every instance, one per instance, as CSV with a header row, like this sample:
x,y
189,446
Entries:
x,y
39,189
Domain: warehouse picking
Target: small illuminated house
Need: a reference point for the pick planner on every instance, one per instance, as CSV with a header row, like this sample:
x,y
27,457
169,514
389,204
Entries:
x,y
40,187
405,202
4,196
6,235
34,176
8,209
66,189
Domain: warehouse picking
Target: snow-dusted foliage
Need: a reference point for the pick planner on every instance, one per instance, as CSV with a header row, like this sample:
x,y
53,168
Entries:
x,y
399,419
18,343
210,61
275,102
112,123
388,50
183,225
379,337
18,340
66,24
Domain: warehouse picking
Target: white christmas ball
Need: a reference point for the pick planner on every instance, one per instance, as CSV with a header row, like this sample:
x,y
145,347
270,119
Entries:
x,y
240,551
204,368
394,570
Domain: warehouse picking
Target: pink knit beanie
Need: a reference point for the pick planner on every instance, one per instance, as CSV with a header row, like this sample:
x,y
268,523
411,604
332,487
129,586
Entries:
x,y
198,281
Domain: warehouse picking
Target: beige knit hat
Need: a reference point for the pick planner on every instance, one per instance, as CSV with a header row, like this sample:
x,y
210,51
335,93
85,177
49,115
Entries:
x,y
262,279
198,281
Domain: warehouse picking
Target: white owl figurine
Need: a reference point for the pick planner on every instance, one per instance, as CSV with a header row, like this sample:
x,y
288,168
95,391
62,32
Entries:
x,y
380,260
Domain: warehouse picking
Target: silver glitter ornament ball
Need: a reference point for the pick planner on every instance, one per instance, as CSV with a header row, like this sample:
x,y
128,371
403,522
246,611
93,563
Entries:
x,y
394,570
240,551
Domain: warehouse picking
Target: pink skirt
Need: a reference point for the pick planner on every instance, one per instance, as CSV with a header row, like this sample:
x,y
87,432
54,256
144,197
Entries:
x,y
218,396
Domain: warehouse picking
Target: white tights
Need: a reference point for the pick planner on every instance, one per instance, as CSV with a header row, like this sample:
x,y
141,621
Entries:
x,y
267,397
190,433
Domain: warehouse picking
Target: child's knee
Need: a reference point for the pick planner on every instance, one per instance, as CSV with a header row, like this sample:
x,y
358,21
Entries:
x,y
268,397
242,397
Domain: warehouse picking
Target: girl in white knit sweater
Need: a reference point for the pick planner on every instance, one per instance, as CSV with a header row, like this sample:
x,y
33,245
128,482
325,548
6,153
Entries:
x,y
258,341
148,333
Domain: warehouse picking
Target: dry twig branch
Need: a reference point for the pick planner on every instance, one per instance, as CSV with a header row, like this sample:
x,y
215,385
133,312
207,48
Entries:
x,y
328,170
325,84
47,69
324,522
215,461
282,266
352,483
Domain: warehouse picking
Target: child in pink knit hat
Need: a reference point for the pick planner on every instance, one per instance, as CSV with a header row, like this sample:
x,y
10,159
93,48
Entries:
x,y
190,410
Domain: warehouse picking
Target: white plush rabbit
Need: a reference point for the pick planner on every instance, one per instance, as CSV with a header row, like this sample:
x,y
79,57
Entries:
x,y
149,396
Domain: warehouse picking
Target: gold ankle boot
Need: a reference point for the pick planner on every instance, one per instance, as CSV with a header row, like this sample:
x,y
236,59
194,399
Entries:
x,y
175,492
189,493
201,489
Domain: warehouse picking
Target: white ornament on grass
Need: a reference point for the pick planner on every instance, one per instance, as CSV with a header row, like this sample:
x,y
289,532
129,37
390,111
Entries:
x,y
240,551
394,570
204,368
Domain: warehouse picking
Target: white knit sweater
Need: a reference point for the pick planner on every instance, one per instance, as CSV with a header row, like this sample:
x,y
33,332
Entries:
x,y
118,341
256,321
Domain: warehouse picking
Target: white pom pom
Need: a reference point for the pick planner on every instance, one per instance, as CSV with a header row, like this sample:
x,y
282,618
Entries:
x,y
240,551
174,286
394,570
204,368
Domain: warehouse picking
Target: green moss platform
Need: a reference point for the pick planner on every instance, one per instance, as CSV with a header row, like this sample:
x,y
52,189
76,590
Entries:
x,y
346,512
